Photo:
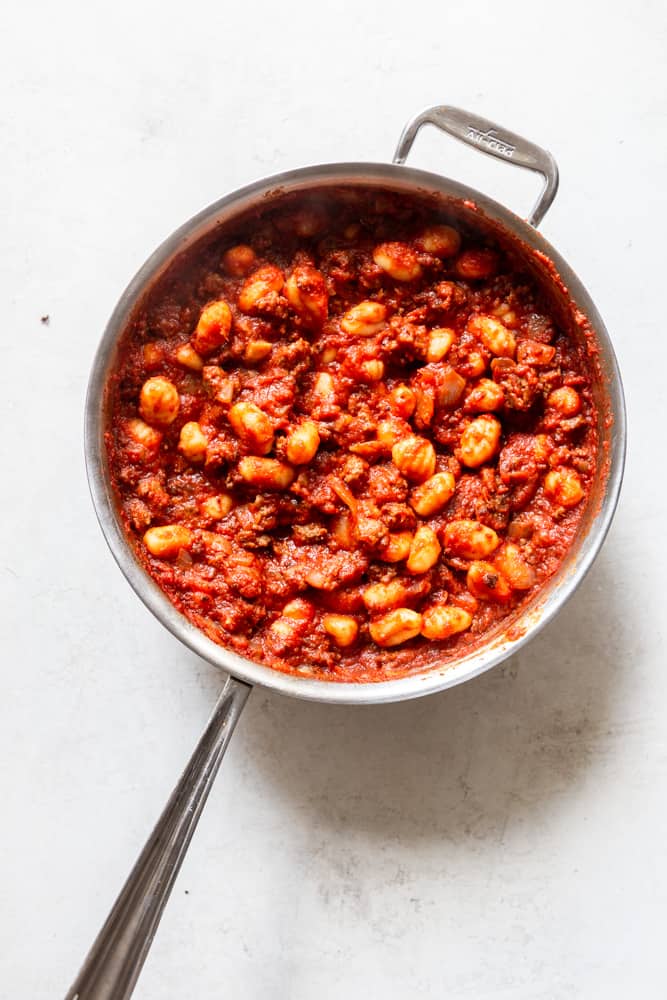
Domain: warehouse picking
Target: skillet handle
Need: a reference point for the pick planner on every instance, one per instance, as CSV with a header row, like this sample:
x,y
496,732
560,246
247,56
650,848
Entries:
x,y
492,139
114,962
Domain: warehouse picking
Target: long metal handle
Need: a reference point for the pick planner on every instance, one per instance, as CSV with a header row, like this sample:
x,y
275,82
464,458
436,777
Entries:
x,y
114,962
491,139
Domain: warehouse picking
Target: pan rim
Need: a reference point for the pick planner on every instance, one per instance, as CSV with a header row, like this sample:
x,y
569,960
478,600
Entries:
x,y
321,690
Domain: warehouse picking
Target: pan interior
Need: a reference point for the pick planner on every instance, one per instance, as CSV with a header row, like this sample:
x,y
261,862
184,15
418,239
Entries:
x,y
470,211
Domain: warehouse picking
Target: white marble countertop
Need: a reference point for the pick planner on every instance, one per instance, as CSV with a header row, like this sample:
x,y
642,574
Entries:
x,y
503,839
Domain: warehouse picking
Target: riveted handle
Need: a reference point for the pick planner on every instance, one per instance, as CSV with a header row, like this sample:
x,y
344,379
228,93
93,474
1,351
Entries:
x,y
492,139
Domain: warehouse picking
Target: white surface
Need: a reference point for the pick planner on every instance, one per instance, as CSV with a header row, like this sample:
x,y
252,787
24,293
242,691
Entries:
x,y
504,839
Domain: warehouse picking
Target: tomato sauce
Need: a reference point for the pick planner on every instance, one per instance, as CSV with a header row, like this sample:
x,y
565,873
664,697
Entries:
x,y
349,435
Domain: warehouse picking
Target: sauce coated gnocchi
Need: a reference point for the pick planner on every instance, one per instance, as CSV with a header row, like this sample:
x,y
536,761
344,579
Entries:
x,y
349,438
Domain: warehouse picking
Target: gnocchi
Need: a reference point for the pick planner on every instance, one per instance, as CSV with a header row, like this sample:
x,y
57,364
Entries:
x,y
563,485
266,473
480,441
470,539
440,240
303,442
365,319
239,260
442,621
494,335
159,401
259,286
396,627
424,550
213,327
193,442
433,494
253,427
306,292
166,541
398,260
415,457
343,629
487,583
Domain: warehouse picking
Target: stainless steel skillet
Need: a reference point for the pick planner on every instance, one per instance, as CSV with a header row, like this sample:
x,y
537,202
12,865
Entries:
x,y
115,960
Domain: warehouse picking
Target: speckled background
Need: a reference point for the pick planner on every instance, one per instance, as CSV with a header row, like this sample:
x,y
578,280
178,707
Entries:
x,y
501,840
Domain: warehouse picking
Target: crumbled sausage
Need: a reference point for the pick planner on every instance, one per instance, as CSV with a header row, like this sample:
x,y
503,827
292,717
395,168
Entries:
x,y
386,484
520,385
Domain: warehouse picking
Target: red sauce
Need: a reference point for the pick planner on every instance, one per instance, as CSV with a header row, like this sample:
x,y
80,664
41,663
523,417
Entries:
x,y
349,435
